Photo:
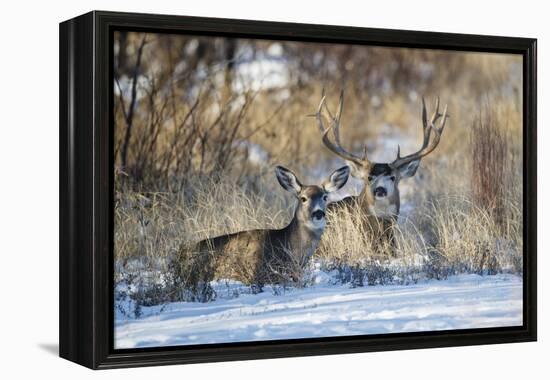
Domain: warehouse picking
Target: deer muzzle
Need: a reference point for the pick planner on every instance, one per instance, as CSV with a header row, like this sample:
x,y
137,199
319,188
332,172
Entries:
x,y
318,214
380,192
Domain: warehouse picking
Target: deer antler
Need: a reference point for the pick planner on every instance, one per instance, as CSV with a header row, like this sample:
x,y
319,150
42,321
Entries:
x,y
334,125
427,145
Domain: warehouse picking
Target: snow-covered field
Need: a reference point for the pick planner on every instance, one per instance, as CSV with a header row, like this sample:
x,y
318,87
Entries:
x,y
465,301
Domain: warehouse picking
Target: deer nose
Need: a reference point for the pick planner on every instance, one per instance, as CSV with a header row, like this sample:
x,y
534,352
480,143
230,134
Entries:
x,y
380,192
318,214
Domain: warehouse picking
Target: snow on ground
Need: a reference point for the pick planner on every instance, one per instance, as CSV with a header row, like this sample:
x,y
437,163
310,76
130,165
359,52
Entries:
x,y
465,301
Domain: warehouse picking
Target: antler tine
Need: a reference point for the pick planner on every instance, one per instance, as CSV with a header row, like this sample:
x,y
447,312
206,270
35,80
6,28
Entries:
x,y
424,114
319,113
436,115
340,106
443,121
335,147
336,119
427,145
427,130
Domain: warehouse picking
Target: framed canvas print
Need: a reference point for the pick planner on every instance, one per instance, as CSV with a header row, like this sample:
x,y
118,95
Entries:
x,y
237,189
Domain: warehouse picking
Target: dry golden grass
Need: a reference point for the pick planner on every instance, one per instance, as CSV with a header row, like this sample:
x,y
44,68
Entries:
x,y
154,225
443,236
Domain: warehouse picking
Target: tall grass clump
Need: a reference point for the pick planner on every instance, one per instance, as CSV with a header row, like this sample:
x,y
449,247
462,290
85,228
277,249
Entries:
x,y
154,224
462,237
356,245
444,236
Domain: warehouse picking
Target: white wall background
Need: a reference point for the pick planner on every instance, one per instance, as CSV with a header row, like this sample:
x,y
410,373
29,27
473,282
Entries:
x,y
29,186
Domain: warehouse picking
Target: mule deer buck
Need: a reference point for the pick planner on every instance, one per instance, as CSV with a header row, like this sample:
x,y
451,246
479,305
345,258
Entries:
x,y
258,257
379,200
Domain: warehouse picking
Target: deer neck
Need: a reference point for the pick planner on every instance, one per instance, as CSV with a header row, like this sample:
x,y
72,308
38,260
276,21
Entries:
x,y
301,237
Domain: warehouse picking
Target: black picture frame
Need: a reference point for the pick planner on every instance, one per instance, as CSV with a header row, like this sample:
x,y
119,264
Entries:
x,y
86,189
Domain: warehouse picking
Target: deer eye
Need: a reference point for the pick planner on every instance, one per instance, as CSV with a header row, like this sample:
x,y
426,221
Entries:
x,y
371,177
392,178
303,199
325,198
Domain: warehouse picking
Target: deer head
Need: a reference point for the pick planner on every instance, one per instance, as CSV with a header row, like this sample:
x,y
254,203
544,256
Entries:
x,y
312,199
381,179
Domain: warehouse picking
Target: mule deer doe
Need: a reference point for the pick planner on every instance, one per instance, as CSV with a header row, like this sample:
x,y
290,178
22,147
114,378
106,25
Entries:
x,y
379,200
263,256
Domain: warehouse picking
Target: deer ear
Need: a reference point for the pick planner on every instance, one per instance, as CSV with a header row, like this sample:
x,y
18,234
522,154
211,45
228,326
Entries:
x,y
409,169
288,180
337,179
